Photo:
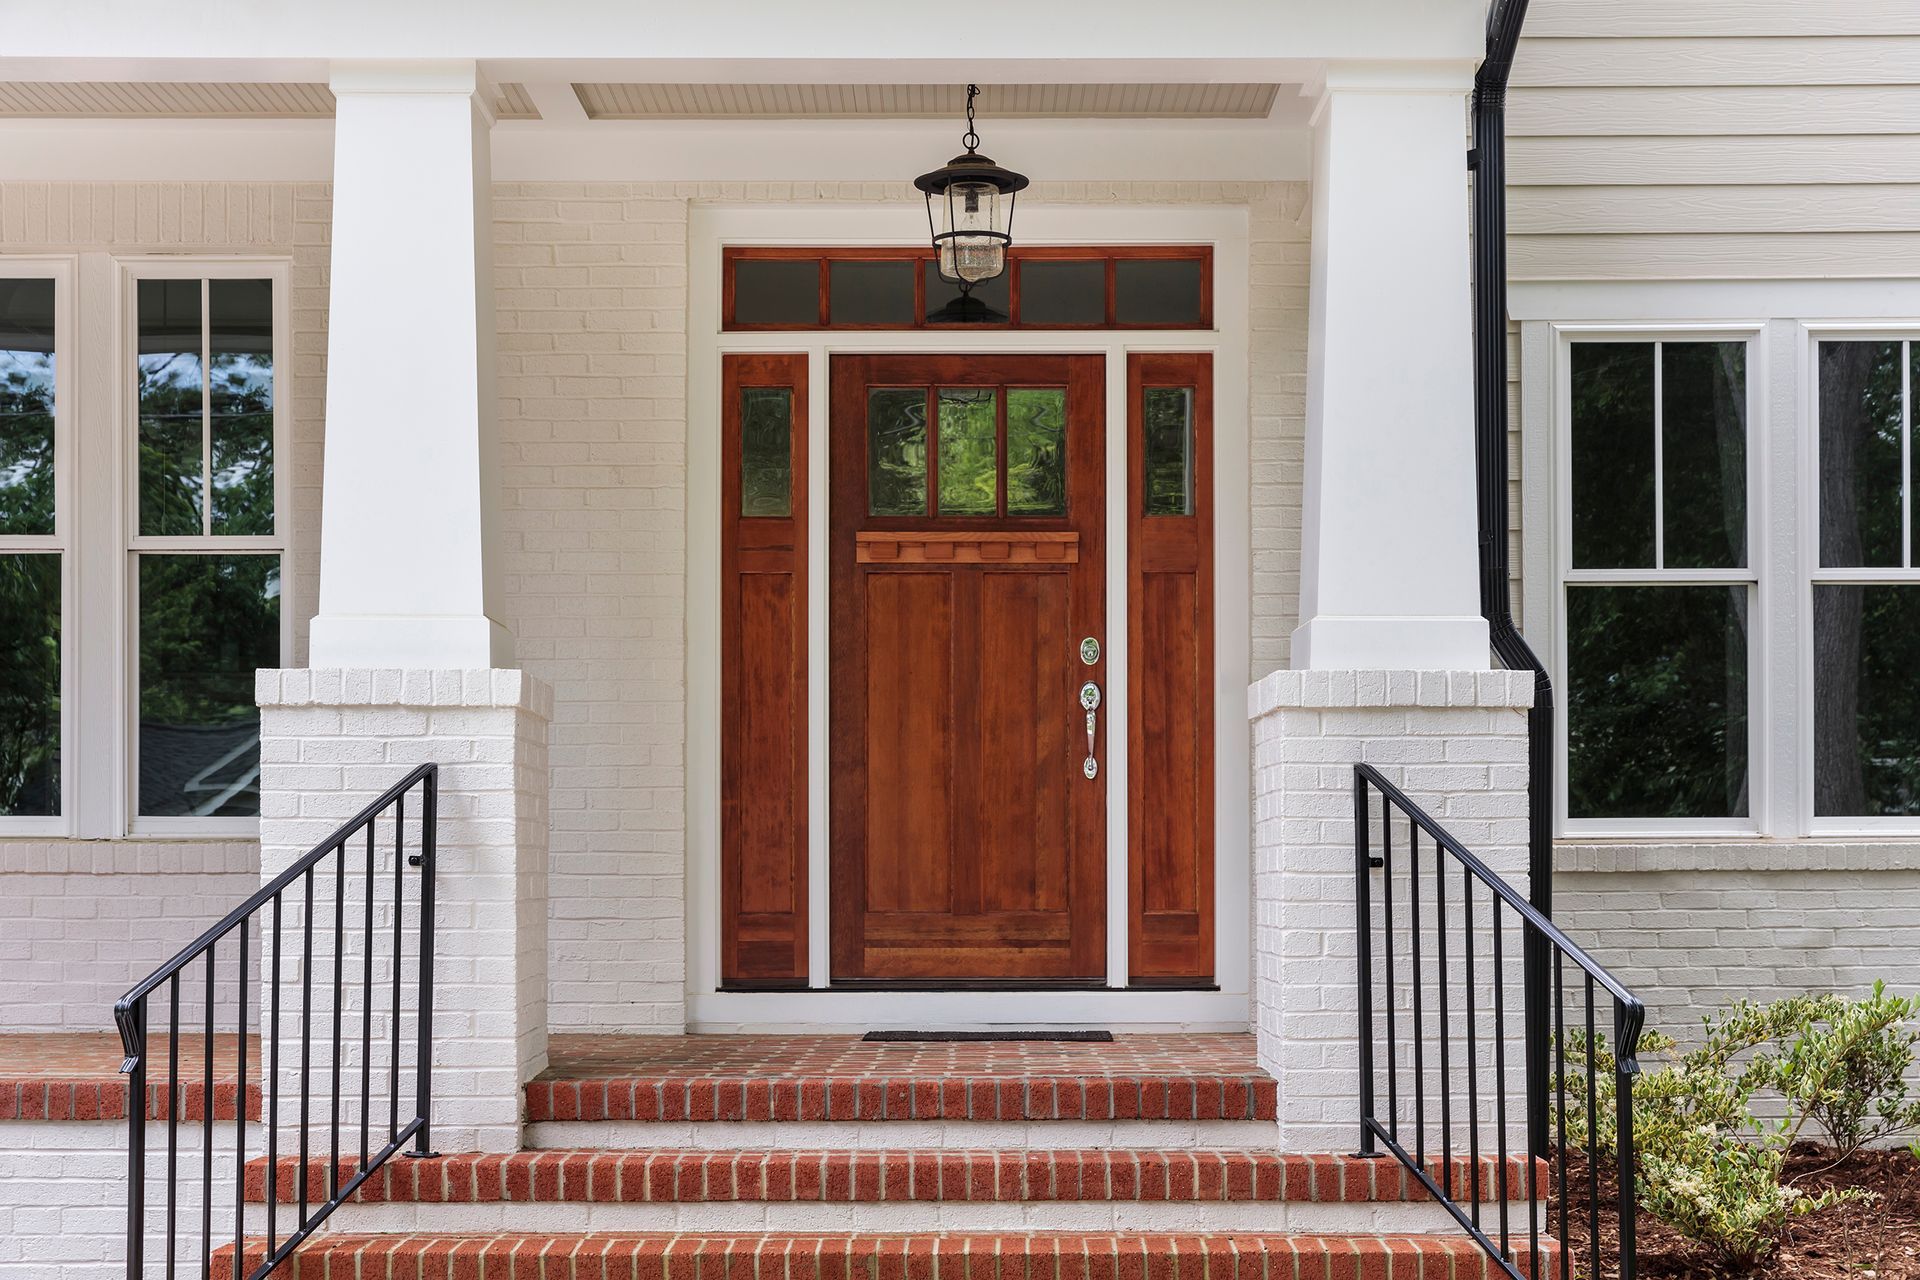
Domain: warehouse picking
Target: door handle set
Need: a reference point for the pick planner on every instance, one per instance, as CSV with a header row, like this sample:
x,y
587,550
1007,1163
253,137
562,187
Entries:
x,y
1090,702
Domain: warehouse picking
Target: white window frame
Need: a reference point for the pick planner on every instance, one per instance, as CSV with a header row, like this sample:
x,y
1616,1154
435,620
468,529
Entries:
x,y
133,544
61,541
1812,573
1754,576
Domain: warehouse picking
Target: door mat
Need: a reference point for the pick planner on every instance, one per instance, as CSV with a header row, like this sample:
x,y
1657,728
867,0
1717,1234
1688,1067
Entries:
x,y
937,1037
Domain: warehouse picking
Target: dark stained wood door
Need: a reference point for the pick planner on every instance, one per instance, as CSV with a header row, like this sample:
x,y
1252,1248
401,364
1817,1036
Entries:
x,y
967,562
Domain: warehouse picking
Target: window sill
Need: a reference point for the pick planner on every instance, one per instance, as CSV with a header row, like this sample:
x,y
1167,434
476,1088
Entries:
x,y
1737,854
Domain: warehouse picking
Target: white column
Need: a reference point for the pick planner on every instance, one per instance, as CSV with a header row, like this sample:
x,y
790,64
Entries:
x,y
1389,575
408,568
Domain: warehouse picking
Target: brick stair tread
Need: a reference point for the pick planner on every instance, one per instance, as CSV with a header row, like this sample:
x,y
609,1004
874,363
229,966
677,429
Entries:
x,y
953,1256
940,1175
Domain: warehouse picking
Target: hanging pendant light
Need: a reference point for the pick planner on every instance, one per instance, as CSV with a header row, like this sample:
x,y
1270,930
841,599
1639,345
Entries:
x,y
970,229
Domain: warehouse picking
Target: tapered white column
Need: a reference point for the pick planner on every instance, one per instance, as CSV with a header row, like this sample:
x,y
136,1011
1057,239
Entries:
x,y
408,572
1389,572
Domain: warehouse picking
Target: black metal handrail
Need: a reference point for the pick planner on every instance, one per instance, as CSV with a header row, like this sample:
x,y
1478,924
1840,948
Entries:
x,y
1469,1012
238,933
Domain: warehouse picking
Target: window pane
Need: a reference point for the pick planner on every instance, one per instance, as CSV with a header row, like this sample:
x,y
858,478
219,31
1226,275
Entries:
x,y
1063,292
1703,454
1037,451
941,291
870,292
766,451
969,460
897,451
1157,291
1612,455
241,384
29,685
1657,702
206,622
26,406
1859,454
169,390
1866,688
776,291
1168,456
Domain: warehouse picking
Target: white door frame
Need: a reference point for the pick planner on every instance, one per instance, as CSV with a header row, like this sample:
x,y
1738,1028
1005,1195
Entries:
x,y
1225,228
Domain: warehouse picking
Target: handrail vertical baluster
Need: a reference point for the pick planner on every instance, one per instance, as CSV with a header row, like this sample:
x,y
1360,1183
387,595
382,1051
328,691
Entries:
x,y
1446,1032
173,1118
1363,938
1417,964
206,1126
272,1113
1500,1075
306,1041
339,976
137,1142
422,1066
1386,950
366,1006
240,1106
399,900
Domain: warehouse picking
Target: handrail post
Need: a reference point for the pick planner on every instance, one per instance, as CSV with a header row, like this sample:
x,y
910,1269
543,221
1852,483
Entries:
x,y
1363,950
423,1053
135,1069
1625,1068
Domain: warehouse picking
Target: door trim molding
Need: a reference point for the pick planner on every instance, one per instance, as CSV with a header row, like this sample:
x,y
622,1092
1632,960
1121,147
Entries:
x,y
1225,227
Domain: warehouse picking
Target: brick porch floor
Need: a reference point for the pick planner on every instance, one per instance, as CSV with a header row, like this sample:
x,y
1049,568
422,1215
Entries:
x,y
76,1076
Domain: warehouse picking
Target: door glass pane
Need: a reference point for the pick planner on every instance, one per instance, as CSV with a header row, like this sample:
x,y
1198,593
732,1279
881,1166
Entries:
x,y
169,377
1703,454
1859,416
26,407
1037,451
1866,689
969,463
897,451
1053,293
766,451
1157,291
783,291
241,383
29,685
1612,455
942,291
1657,702
1167,424
870,292
206,623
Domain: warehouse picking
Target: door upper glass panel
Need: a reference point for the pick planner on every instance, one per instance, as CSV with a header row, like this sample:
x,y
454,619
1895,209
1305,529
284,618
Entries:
x,y
966,452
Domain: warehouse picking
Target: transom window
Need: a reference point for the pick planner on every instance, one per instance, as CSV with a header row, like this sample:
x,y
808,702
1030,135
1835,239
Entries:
x,y
1043,287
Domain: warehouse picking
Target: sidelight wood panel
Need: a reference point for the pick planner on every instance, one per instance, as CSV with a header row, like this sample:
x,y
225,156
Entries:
x,y
763,691
1170,629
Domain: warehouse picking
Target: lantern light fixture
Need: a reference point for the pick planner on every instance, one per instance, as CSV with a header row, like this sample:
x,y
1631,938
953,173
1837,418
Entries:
x,y
964,213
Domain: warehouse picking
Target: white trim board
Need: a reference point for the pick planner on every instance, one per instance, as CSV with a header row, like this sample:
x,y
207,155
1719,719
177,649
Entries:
x,y
1225,228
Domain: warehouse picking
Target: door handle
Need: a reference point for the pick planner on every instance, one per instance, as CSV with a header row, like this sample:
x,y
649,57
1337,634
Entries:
x,y
1090,700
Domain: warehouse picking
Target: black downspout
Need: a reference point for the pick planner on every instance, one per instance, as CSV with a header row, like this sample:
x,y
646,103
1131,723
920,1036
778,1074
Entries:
x,y
1488,160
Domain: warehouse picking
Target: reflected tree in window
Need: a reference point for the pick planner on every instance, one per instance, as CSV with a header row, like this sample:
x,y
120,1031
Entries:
x,y
29,685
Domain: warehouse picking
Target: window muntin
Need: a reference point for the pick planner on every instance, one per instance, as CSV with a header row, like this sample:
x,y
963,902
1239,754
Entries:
x,y
32,552
206,556
1865,587
1657,591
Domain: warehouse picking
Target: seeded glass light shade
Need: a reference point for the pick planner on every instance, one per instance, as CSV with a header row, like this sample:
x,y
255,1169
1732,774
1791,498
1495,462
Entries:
x,y
970,210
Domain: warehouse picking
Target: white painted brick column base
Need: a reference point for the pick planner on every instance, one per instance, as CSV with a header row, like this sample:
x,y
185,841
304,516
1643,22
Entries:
x,y
333,740
1456,742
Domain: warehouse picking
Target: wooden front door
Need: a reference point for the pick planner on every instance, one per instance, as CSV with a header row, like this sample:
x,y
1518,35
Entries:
x,y
967,565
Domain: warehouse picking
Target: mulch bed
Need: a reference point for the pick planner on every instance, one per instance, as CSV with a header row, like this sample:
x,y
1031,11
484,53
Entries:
x,y
1875,1240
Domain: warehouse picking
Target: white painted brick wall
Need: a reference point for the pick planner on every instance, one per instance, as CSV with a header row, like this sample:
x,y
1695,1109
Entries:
x,y
1456,743
333,740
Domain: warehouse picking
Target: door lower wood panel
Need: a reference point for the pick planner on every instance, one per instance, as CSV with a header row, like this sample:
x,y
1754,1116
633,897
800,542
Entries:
x,y
968,846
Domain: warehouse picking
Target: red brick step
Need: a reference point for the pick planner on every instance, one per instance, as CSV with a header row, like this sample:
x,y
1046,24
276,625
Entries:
x,y
871,1177
1026,1256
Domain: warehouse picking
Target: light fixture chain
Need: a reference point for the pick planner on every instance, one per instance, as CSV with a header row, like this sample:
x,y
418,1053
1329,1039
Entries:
x,y
971,139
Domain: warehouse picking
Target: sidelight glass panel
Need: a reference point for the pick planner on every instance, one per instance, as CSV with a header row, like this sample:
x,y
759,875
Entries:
x,y
206,623
1703,454
897,451
969,457
870,292
1657,701
169,388
26,407
29,685
766,451
1063,292
1158,291
1859,423
1167,414
1037,451
1866,711
241,385
1612,455
783,291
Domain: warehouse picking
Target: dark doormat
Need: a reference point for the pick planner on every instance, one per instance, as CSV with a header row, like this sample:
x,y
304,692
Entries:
x,y
936,1037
